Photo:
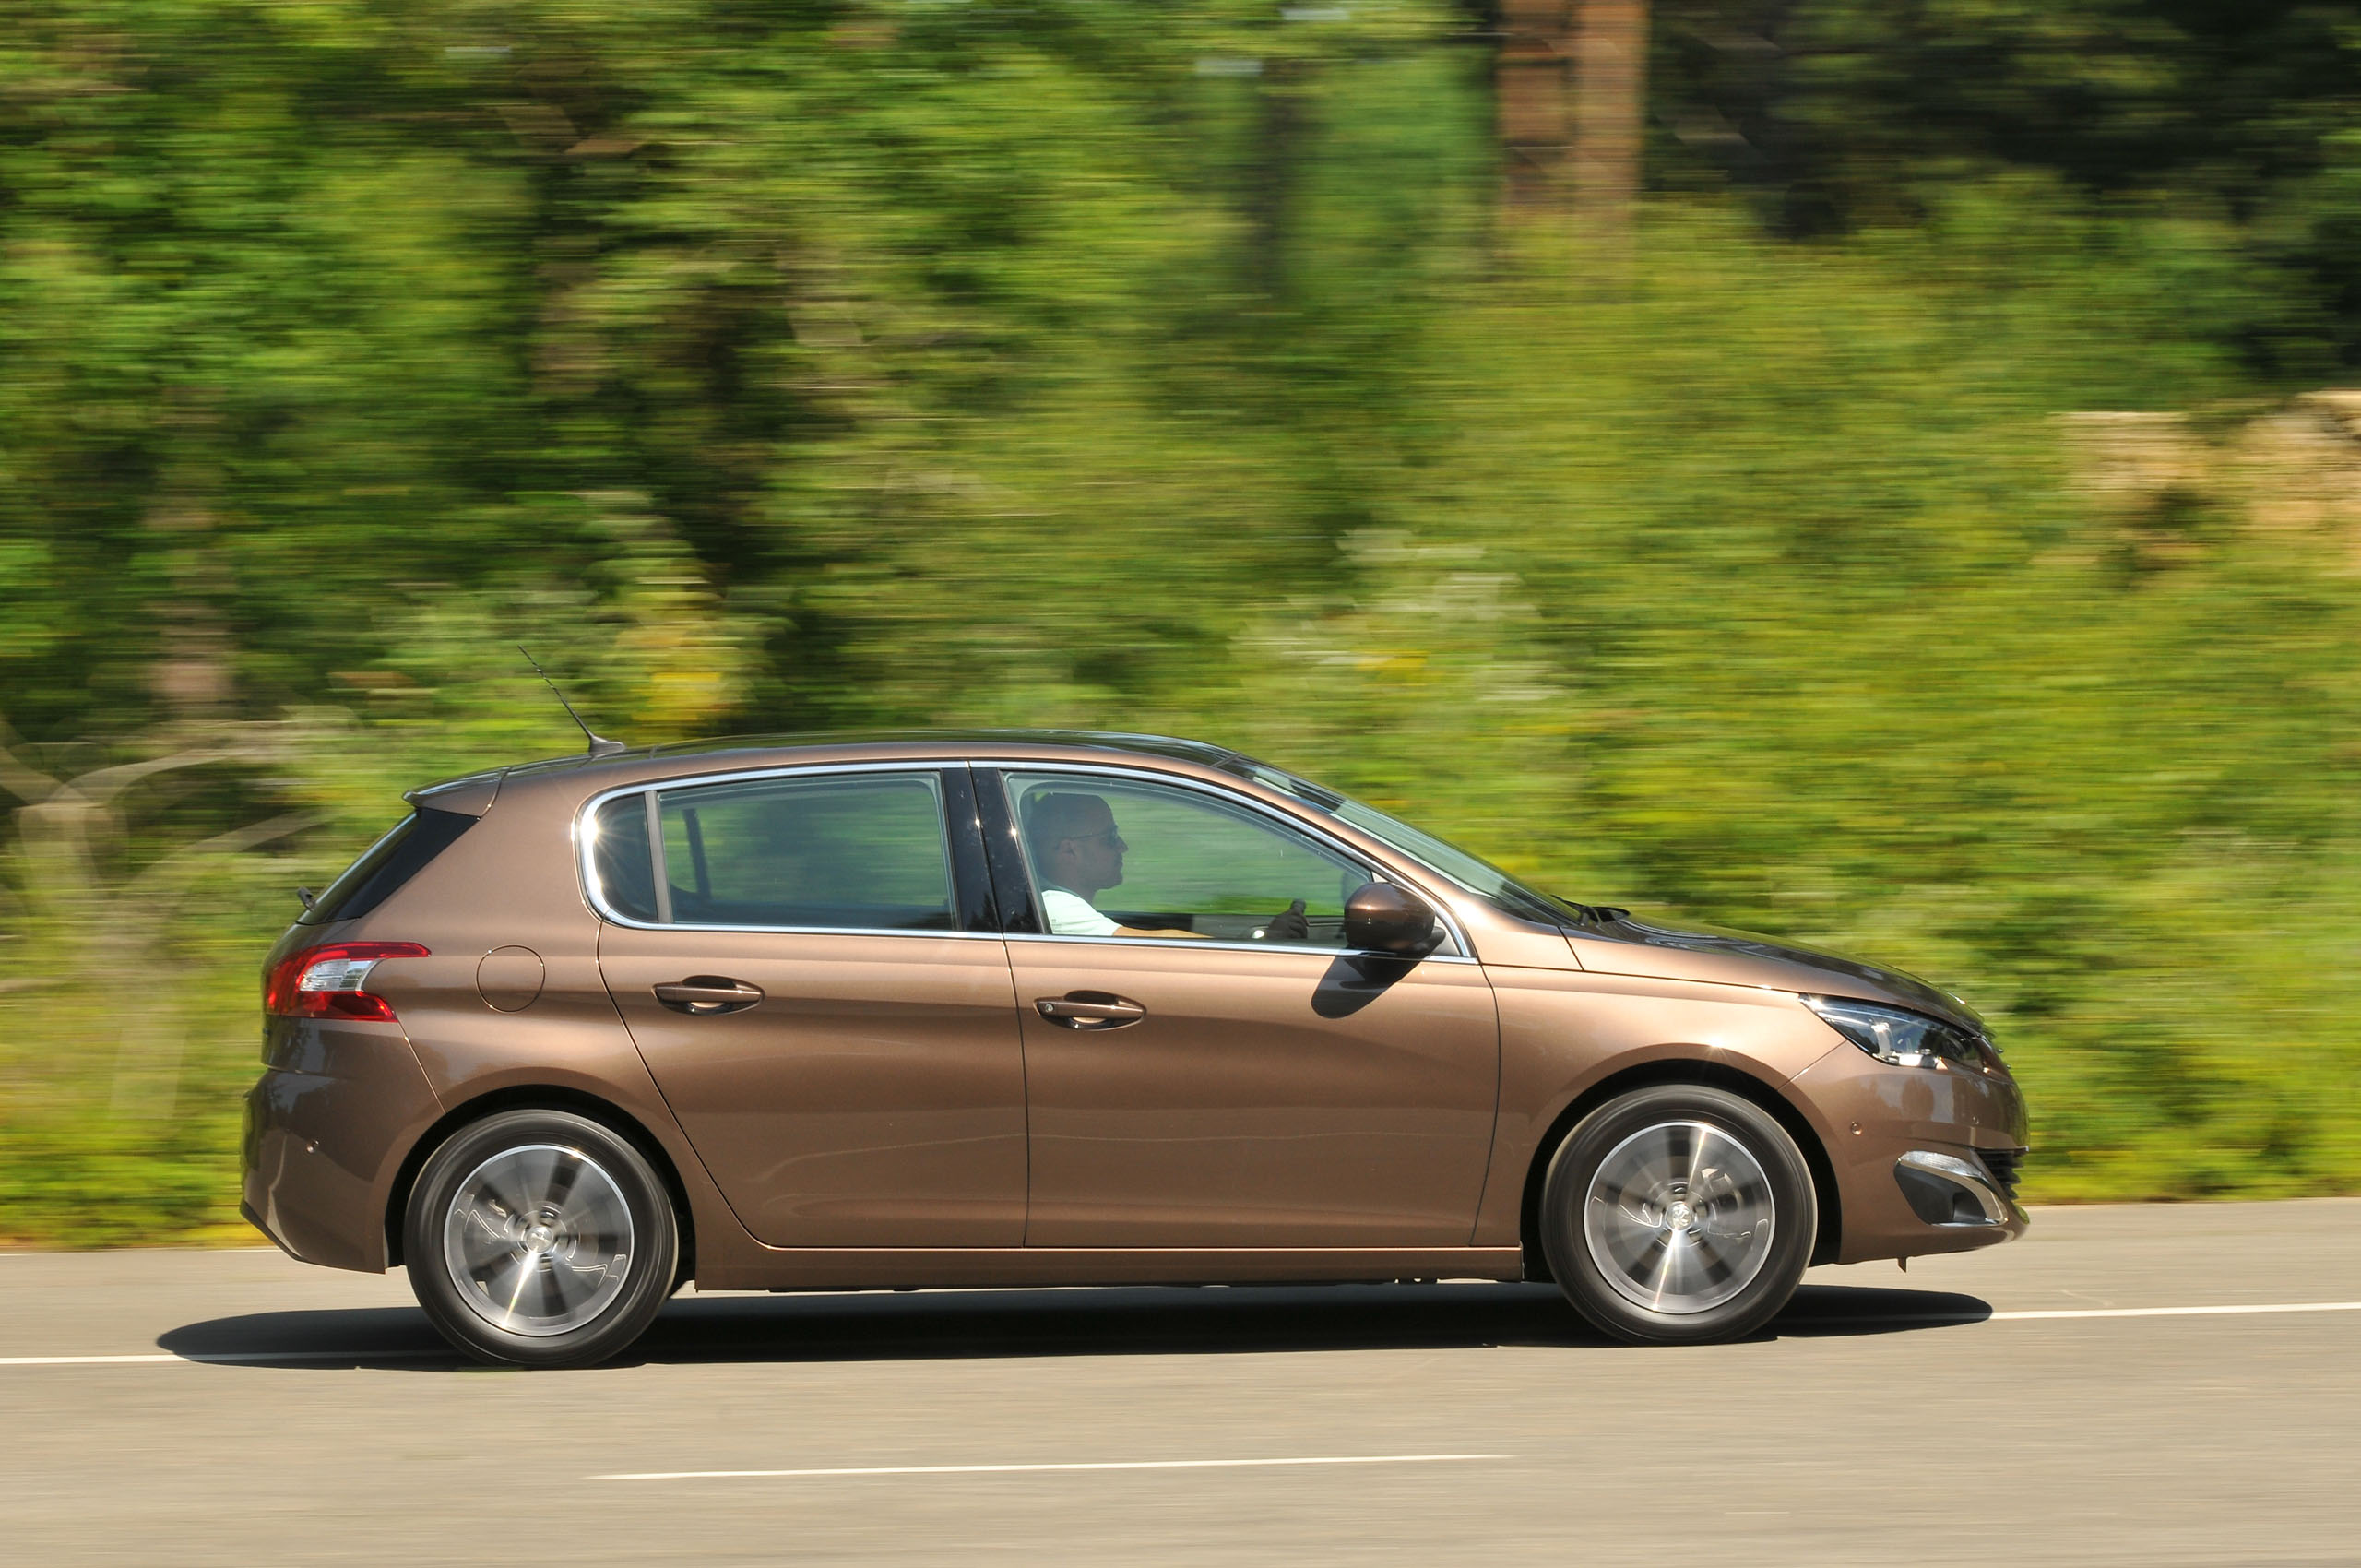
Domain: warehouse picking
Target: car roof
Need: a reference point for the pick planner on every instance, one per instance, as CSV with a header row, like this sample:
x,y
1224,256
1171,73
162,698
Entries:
x,y
757,750
1092,740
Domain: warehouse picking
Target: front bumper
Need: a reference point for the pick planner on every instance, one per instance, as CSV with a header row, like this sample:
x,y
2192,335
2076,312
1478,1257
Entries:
x,y
1949,1192
1924,1160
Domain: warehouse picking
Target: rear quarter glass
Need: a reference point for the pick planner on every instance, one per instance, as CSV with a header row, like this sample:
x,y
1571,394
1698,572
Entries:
x,y
386,865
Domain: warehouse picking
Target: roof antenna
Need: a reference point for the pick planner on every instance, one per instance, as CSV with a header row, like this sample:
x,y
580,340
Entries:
x,y
599,744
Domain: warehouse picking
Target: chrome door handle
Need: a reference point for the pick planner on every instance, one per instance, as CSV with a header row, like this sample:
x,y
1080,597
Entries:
x,y
708,993
1089,1010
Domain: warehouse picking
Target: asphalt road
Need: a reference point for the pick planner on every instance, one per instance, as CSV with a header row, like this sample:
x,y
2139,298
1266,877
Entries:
x,y
274,1413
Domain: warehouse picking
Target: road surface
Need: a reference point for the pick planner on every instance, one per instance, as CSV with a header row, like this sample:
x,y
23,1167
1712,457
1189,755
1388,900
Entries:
x,y
2027,1404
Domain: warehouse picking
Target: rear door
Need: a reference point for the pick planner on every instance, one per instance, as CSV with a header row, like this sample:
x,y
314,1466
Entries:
x,y
1206,1073
809,965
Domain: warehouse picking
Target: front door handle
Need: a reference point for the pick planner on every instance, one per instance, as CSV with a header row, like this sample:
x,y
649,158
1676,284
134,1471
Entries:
x,y
708,993
1090,1010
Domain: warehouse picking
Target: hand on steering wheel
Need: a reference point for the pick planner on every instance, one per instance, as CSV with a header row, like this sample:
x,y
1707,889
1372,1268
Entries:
x,y
1288,925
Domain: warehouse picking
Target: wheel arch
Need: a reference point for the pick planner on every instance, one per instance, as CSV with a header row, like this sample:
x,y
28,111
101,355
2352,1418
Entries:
x,y
543,1097
1710,1074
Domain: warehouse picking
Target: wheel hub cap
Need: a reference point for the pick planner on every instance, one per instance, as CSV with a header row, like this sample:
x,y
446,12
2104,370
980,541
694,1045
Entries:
x,y
1679,1217
539,1239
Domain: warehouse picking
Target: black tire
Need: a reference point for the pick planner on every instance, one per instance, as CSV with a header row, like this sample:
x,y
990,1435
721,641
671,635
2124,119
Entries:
x,y
598,1223
1621,1169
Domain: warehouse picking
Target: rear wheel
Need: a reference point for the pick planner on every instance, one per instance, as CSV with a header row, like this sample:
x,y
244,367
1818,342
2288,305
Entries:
x,y
541,1239
1678,1215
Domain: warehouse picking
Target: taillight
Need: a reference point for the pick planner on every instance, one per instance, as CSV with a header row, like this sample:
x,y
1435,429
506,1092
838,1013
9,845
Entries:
x,y
333,981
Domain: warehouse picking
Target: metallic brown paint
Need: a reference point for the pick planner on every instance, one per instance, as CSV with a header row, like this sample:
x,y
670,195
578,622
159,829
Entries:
x,y
874,1097
1563,1032
1392,1139
326,1130
1268,1098
1896,1110
509,889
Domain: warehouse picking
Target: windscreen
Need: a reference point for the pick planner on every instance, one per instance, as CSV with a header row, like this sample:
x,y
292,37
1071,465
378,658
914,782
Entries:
x,y
1472,873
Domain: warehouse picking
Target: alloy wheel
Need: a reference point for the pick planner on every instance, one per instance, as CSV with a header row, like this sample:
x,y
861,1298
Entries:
x,y
539,1239
1679,1218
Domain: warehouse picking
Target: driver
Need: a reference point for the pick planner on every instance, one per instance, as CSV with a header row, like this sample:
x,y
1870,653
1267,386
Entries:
x,y
1078,855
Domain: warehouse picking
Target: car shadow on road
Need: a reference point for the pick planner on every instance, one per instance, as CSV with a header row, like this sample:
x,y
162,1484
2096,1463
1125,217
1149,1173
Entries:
x,y
945,1325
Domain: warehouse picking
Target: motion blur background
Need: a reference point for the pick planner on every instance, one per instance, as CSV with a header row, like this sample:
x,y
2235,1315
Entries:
x,y
1866,471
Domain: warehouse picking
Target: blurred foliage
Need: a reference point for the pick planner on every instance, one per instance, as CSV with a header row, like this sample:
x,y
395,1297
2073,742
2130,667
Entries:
x,y
1835,114
765,366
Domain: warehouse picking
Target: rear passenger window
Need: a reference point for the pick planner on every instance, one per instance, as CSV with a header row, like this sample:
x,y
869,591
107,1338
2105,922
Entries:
x,y
848,851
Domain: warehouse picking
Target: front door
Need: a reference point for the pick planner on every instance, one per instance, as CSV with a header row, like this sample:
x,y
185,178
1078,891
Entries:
x,y
788,955
1206,1065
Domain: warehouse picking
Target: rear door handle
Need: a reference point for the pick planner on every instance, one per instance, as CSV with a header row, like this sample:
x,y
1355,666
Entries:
x,y
708,993
1090,1010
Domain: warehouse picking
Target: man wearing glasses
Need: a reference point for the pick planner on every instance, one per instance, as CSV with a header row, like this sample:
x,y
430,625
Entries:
x,y
1078,854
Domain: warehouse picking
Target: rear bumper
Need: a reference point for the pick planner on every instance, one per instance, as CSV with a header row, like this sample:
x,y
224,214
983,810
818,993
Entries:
x,y
324,1137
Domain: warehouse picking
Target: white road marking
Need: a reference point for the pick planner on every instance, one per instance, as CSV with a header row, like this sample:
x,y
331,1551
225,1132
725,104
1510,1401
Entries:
x,y
2184,1312
257,1358
1008,1469
1868,1320
227,1358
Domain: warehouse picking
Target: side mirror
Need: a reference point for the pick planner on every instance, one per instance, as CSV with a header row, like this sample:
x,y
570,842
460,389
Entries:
x,y
1382,917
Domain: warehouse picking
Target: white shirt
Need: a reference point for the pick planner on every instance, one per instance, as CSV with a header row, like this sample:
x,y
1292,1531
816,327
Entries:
x,y
1070,914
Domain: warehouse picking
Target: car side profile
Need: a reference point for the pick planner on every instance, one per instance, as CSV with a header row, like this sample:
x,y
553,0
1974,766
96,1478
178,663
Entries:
x,y
1045,1008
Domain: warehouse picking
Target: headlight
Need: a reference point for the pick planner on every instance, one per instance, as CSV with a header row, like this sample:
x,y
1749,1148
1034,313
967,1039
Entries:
x,y
1903,1037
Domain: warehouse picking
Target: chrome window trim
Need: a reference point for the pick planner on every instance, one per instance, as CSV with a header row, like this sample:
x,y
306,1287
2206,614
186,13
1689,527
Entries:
x,y
807,929
595,897
596,894
1465,953
1199,945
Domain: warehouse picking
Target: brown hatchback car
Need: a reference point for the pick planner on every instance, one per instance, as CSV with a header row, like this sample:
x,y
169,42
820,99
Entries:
x,y
1047,1008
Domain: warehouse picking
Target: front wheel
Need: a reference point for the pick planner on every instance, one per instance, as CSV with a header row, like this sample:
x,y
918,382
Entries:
x,y
1678,1215
541,1239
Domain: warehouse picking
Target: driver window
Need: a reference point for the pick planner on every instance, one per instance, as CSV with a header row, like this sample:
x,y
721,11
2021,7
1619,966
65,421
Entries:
x,y
1112,857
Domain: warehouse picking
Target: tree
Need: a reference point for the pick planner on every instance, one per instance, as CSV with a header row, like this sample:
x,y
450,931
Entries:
x,y
1529,93
1610,116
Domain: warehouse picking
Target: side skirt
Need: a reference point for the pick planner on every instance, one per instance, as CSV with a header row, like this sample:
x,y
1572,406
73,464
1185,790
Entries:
x,y
879,1268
